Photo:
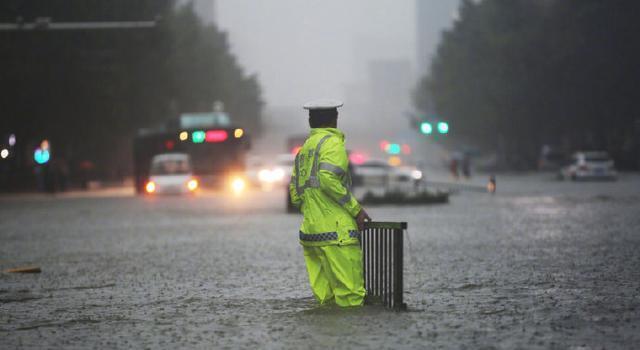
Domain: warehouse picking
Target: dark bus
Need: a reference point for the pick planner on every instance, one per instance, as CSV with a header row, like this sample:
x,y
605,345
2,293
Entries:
x,y
216,148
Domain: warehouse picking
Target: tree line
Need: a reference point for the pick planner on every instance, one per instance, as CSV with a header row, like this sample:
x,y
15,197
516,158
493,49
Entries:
x,y
514,75
89,91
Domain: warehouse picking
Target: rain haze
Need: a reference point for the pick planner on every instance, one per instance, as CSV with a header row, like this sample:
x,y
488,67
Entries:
x,y
162,187
362,52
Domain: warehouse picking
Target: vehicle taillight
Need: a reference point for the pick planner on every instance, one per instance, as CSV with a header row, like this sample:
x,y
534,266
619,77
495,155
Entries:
x,y
150,187
357,158
216,136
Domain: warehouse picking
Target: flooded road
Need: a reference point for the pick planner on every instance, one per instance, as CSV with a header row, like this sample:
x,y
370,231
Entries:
x,y
541,264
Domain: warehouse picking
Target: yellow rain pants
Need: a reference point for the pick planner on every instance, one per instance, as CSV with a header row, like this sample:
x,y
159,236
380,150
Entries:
x,y
335,274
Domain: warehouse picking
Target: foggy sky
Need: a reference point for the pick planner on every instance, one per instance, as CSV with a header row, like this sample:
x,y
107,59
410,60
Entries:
x,y
306,49
303,49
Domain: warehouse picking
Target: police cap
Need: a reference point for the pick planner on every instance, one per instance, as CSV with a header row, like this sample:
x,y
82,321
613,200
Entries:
x,y
322,104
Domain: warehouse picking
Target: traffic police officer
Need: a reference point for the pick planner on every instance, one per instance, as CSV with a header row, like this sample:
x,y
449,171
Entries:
x,y
320,187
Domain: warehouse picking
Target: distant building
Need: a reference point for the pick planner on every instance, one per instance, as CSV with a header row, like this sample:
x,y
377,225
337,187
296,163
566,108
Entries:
x,y
432,18
390,83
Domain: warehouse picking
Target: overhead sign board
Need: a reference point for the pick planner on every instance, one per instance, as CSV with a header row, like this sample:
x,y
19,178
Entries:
x,y
204,120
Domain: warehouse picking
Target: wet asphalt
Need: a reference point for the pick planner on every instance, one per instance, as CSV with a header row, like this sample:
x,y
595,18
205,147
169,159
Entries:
x,y
541,264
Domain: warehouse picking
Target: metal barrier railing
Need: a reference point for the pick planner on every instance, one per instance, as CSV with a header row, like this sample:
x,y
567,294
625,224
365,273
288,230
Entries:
x,y
382,253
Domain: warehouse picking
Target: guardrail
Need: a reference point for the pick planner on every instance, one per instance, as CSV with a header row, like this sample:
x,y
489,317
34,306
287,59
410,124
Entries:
x,y
382,252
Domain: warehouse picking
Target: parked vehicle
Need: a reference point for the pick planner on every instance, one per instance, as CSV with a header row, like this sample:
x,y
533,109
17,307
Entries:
x,y
589,165
372,173
404,179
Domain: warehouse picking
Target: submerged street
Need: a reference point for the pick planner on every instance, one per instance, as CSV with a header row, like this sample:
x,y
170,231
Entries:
x,y
540,264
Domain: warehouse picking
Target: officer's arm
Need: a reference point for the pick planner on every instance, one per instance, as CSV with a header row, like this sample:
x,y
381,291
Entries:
x,y
295,199
332,168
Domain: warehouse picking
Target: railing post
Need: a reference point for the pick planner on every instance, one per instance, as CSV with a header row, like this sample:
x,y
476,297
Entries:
x,y
382,251
398,304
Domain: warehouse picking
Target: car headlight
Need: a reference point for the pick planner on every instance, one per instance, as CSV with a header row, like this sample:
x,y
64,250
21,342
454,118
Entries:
x,y
416,174
192,185
278,174
238,185
150,187
265,175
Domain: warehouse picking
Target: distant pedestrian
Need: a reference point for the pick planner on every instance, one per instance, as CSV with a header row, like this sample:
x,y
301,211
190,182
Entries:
x,y
466,165
491,185
453,167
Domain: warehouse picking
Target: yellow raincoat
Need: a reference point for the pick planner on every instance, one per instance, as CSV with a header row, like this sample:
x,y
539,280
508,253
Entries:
x,y
329,234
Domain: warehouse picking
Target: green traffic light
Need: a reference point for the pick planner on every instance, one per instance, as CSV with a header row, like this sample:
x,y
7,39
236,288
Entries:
x,y
394,148
426,128
443,127
41,156
198,136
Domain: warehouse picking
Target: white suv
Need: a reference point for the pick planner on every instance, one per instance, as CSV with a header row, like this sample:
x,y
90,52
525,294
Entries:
x,y
589,165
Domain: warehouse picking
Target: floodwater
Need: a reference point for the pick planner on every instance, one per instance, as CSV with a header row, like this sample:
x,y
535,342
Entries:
x,y
540,264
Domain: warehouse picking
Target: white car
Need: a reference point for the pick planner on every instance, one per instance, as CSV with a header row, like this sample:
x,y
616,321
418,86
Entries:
x,y
267,172
254,166
404,179
372,173
590,165
171,174
283,168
